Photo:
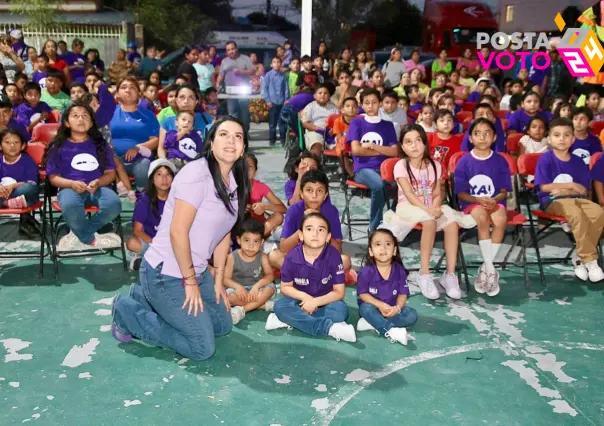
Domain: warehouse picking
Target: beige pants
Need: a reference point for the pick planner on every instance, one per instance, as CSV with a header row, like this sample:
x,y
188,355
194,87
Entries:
x,y
586,219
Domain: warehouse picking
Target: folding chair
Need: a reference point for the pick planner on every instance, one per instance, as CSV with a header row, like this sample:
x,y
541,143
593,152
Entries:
x,y
501,114
44,132
55,116
527,164
36,151
56,225
597,127
464,115
468,106
515,219
353,189
387,174
513,143
504,124
330,159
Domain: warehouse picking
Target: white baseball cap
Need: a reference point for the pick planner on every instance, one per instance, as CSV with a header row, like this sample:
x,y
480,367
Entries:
x,y
18,34
159,163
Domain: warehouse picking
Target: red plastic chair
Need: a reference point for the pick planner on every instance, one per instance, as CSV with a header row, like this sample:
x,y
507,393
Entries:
x,y
464,115
468,106
597,127
501,113
504,124
55,116
594,159
45,132
467,123
513,143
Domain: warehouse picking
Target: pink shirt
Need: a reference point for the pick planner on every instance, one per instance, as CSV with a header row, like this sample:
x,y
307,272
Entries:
x,y
410,66
259,191
471,64
423,183
194,185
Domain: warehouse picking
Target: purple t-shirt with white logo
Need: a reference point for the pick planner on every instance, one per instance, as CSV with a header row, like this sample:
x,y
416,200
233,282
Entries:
x,y
144,214
386,290
371,129
78,161
26,113
186,148
482,177
40,78
550,169
519,120
585,148
295,214
317,279
24,170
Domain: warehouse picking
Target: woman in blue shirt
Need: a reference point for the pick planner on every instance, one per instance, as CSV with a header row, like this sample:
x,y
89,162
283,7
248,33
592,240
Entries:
x,y
187,99
135,132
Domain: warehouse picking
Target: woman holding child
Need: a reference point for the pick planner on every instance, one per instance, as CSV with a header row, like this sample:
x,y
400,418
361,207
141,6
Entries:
x,y
179,303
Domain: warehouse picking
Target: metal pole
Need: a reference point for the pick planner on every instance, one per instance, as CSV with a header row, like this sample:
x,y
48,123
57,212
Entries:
x,y
306,27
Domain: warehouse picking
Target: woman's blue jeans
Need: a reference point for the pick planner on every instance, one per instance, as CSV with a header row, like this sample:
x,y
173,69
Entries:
x,y
153,313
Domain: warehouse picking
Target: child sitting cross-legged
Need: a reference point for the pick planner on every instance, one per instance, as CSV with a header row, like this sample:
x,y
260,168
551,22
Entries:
x,y
482,181
563,188
259,191
182,145
80,163
382,289
149,209
247,275
312,285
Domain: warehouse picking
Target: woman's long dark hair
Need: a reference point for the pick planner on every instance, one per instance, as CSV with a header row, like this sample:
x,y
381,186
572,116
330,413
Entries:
x,y
426,159
239,171
64,133
151,191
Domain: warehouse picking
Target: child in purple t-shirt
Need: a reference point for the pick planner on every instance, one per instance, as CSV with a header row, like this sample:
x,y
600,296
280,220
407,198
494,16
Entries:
x,y
41,71
32,111
586,144
529,108
482,182
305,162
563,189
149,209
182,145
382,289
80,163
18,172
312,285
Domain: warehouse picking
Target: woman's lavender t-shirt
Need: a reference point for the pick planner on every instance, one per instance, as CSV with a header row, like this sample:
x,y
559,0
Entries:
x,y
585,148
144,214
78,161
482,177
550,169
386,290
374,130
317,279
24,170
186,148
195,186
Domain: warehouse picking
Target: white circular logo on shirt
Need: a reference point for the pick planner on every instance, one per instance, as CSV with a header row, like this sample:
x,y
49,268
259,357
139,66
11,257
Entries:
x,y
42,83
394,292
372,137
7,181
34,117
563,178
84,163
482,186
188,147
583,154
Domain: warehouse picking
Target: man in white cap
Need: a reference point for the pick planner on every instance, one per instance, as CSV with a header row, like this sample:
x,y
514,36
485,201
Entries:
x,y
19,46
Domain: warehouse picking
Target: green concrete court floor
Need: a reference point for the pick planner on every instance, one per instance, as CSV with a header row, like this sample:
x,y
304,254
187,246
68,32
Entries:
x,y
517,359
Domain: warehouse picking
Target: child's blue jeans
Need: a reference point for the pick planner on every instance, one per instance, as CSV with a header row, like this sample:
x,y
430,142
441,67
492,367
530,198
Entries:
x,y
372,314
289,311
274,121
73,205
30,190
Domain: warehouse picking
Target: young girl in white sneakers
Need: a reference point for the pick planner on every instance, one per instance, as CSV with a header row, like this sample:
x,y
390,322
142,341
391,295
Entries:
x,y
383,291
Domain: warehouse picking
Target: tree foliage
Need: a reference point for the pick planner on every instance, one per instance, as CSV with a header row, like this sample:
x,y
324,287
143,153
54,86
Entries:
x,y
170,23
395,21
278,22
41,14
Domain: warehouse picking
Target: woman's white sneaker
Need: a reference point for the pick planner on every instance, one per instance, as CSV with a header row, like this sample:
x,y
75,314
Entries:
x,y
274,323
428,288
594,271
451,285
237,314
397,334
343,331
363,325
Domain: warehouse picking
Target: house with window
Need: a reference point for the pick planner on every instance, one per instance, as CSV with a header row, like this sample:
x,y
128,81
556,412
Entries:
x,y
534,15
99,28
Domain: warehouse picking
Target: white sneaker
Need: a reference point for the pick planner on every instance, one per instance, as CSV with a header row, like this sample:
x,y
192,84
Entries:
x,y
343,331
397,334
482,279
274,323
237,314
363,325
269,306
493,284
104,242
451,285
426,285
594,271
581,271
70,243
114,238
135,262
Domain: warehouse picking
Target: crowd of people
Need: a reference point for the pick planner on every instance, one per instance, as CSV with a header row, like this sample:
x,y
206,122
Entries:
x,y
201,217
